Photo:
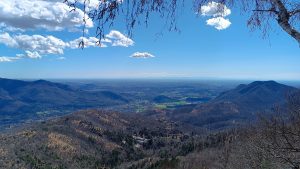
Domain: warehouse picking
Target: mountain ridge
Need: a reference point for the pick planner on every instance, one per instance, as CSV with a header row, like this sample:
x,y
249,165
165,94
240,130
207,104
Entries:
x,y
238,105
23,99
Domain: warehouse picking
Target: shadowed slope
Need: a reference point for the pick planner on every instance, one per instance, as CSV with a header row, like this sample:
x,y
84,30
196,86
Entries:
x,y
238,105
23,99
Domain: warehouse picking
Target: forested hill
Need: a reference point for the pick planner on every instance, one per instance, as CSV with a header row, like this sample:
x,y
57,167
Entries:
x,y
95,139
236,106
21,100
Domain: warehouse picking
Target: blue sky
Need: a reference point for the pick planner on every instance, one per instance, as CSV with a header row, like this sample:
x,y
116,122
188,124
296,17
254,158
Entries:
x,y
199,51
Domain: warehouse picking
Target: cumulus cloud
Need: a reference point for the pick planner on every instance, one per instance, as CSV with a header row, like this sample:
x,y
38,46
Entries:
x,y
219,23
33,55
142,55
88,42
215,9
34,43
6,39
119,39
20,16
90,5
37,45
218,12
34,14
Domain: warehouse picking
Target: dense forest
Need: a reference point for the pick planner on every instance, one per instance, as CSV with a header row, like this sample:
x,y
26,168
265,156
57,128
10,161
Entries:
x,y
100,139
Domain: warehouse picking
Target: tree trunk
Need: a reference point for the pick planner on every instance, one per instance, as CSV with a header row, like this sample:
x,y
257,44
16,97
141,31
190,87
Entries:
x,y
283,20
288,28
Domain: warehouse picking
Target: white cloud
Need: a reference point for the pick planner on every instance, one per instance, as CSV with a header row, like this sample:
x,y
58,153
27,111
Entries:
x,y
36,14
20,16
142,55
6,39
94,4
34,43
91,4
215,9
88,42
6,59
119,39
33,55
218,12
219,23
35,46
10,59
113,38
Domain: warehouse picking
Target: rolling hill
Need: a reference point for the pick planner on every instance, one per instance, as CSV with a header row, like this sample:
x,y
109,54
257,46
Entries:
x,y
107,139
236,106
94,139
21,100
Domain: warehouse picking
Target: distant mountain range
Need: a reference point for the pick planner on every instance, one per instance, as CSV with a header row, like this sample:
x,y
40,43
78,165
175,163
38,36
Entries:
x,y
23,99
236,106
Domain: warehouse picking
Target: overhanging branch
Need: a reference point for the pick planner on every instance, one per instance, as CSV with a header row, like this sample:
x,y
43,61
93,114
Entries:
x,y
294,12
284,20
265,10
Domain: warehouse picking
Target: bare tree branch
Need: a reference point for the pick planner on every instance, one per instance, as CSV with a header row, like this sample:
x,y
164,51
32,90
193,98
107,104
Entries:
x,y
284,20
136,12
